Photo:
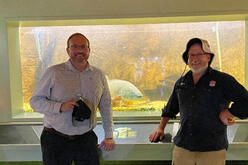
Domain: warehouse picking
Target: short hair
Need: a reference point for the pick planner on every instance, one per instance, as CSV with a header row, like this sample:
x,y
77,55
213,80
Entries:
x,y
75,34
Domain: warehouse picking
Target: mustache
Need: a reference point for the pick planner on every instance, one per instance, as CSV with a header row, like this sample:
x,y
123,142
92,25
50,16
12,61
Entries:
x,y
81,54
195,63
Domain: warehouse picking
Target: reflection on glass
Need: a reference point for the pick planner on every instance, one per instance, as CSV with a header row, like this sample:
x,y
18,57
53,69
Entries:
x,y
124,133
141,62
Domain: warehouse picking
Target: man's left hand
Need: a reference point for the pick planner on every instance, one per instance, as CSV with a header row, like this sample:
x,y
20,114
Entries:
x,y
226,117
108,144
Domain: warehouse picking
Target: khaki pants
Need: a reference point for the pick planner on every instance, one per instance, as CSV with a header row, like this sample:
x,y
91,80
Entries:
x,y
182,156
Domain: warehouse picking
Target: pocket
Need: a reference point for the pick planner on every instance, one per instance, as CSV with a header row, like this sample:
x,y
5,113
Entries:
x,y
94,137
42,136
184,95
46,137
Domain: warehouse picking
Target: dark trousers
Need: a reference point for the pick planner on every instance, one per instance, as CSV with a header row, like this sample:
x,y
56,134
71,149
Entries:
x,y
62,150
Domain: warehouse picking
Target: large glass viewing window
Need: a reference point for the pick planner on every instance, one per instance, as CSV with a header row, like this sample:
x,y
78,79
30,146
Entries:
x,y
141,61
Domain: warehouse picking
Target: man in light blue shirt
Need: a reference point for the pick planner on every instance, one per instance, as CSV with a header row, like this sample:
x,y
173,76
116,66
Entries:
x,y
65,139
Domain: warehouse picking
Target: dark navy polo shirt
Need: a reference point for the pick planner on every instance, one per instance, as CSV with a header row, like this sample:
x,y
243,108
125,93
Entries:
x,y
200,105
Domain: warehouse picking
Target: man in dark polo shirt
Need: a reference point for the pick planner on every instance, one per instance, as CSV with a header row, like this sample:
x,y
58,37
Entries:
x,y
203,96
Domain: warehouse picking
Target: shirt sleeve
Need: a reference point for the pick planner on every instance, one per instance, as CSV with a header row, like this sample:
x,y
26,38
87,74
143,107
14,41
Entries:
x,y
238,95
172,107
106,110
41,99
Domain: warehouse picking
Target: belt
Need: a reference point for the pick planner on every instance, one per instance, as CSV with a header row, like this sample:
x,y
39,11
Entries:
x,y
71,137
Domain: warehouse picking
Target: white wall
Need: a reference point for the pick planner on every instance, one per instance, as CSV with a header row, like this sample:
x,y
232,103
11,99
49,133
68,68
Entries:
x,y
119,8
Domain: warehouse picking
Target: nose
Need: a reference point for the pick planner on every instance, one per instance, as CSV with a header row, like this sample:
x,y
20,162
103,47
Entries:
x,y
82,50
194,58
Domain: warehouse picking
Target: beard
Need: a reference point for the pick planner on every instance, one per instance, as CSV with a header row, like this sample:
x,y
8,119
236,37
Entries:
x,y
201,69
80,57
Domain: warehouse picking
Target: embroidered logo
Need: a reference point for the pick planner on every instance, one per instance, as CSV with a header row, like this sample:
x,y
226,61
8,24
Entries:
x,y
212,83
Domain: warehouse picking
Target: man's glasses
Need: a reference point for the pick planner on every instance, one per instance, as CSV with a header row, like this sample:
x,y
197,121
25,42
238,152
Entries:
x,y
79,46
196,55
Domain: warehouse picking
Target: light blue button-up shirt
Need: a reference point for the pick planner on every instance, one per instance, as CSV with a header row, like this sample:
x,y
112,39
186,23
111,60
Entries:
x,y
63,82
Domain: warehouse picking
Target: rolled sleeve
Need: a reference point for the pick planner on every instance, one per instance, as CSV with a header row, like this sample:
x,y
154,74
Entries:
x,y
172,108
236,93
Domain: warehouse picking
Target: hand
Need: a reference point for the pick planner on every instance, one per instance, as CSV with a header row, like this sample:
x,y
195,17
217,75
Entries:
x,y
226,117
108,144
68,106
158,133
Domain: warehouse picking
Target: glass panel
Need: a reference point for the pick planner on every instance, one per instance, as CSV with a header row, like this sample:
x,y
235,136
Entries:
x,y
126,133
141,62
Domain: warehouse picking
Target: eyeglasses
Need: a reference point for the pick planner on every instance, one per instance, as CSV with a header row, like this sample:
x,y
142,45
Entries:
x,y
79,46
196,55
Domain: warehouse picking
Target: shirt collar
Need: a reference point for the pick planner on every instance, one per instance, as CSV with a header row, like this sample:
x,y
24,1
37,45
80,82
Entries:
x,y
209,70
189,76
71,67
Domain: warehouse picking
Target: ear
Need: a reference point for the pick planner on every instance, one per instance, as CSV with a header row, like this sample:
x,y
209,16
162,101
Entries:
x,y
209,57
67,50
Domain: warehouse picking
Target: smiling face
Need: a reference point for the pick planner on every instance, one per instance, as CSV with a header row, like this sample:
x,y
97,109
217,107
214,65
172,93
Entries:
x,y
78,49
198,59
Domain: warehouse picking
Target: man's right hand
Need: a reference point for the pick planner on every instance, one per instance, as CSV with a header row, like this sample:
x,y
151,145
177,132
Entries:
x,y
69,105
158,133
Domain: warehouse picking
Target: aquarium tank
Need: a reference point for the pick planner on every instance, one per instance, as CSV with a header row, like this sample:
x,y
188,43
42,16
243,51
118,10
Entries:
x,y
141,61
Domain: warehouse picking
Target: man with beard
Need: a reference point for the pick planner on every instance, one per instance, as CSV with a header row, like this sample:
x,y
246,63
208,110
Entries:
x,y
203,96
64,139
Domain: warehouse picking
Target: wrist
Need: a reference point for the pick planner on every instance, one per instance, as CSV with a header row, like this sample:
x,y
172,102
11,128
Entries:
x,y
60,108
161,127
109,138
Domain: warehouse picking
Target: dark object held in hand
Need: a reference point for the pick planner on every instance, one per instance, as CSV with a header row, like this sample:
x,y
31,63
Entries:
x,y
165,139
81,112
